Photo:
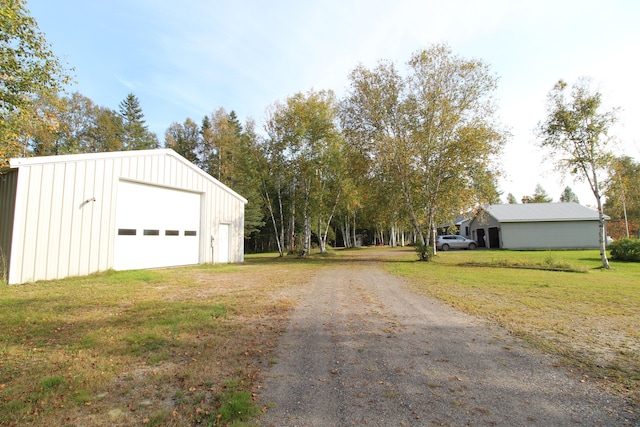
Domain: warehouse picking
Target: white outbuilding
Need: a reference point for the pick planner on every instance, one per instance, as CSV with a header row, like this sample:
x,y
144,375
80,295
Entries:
x,y
536,226
78,214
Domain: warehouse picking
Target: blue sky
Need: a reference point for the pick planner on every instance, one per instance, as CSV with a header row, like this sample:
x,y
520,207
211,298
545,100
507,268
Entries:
x,y
185,59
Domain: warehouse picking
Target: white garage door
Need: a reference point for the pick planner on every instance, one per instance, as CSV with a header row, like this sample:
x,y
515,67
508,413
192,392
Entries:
x,y
155,227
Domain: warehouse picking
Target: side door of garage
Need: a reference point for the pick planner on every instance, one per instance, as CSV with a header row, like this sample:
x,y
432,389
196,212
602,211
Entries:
x,y
155,227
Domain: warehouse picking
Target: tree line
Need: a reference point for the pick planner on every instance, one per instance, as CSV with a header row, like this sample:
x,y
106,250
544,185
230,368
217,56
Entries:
x,y
404,150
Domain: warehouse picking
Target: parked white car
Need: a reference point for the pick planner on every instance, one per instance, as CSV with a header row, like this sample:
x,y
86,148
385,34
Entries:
x,y
454,241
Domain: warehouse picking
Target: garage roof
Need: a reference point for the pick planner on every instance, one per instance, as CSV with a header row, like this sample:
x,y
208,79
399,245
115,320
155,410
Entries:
x,y
538,212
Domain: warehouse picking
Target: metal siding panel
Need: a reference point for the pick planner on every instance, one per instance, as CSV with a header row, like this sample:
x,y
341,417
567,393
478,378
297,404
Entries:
x,y
159,169
137,163
96,175
550,235
145,172
113,197
75,252
42,204
132,166
17,245
30,213
184,176
205,227
124,167
87,211
169,172
107,228
66,220
54,219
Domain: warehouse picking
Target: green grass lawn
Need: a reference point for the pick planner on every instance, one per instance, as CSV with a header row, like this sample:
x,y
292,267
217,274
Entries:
x,y
167,347
590,315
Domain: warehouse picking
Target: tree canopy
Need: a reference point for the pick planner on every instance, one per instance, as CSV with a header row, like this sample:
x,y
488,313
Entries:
x,y
623,197
28,68
430,136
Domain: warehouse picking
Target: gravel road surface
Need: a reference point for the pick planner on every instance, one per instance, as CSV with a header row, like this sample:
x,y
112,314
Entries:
x,y
362,349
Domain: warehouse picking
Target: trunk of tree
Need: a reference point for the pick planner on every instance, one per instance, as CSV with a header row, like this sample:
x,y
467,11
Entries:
x,y
595,188
354,228
346,236
322,236
322,240
291,236
624,210
306,239
602,234
392,237
281,239
416,228
432,232
268,202
306,244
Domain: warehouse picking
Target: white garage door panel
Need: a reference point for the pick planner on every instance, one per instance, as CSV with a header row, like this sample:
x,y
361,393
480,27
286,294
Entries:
x,y
155,227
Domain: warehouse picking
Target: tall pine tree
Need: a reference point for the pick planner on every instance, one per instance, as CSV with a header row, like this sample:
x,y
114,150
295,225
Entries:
x,y
135,133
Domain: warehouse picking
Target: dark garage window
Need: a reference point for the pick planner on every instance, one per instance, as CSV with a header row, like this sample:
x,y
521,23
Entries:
x,y
189,233
126,231
171,233
151,232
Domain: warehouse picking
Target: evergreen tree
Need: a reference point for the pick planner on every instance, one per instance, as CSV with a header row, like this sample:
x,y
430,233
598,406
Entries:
x,y
135,133
511,199
539,196
569,196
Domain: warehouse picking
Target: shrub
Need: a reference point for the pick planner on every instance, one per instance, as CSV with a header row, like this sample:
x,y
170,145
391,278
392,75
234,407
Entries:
x,y
625,250
425,252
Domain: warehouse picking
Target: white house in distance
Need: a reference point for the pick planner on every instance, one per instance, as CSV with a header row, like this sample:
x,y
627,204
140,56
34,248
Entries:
x,y
78,214
536,226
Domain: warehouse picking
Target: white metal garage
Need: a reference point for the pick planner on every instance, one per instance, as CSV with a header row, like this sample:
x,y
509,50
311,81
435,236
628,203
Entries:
x,y
536,226
78,214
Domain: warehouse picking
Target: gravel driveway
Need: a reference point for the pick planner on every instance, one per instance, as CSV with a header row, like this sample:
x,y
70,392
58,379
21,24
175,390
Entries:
x,y
362,349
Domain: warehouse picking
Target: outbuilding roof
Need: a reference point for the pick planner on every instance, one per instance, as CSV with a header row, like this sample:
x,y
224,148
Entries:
x,y
539,212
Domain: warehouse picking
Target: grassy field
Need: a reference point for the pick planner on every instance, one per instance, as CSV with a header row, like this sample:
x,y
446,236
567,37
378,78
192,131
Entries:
x,y
183,346
165,347
588,315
